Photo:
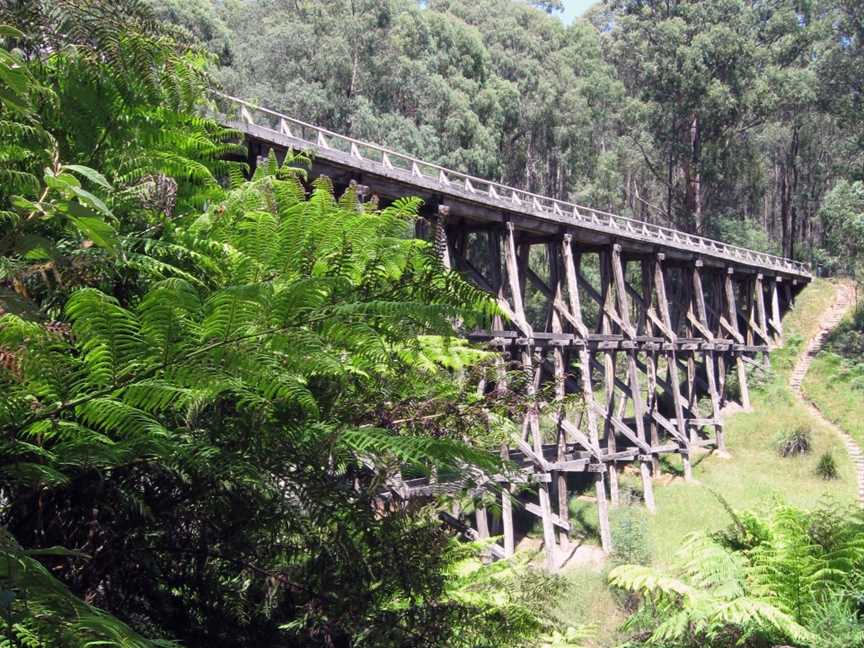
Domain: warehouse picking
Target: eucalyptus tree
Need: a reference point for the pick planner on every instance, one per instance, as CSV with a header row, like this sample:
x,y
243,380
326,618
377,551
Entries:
x,y
691,69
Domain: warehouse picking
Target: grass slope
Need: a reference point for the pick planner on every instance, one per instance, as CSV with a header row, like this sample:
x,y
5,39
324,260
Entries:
x,y
755,475
835,384
835,388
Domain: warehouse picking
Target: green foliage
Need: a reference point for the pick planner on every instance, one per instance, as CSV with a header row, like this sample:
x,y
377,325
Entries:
x,y
110,89
788,577
842,218
521,597
38,611
305,329
707,602
239,367
794,442
826,467
743,233
214,419
728,117
847,341
630,537
836,622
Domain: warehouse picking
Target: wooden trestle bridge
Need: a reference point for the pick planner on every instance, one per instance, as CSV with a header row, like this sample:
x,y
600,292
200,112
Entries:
x,y
643,322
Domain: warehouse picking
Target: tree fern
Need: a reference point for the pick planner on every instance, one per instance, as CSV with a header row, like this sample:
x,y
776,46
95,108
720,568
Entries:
x,y
39,611
236,371
709,602
786,576
249,371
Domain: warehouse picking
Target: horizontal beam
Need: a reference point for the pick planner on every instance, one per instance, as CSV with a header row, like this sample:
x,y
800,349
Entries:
x,y
598,341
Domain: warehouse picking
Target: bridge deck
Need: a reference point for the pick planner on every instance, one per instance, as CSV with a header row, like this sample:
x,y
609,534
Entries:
x,y
392,174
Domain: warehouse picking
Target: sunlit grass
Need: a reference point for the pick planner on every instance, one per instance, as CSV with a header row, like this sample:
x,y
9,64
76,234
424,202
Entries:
x,y
755,476
589,600
832,388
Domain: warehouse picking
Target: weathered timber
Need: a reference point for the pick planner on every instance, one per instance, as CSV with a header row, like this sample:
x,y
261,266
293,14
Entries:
x,y
626,366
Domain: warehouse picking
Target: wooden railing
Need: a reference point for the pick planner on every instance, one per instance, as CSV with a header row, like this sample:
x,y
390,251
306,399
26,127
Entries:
x,y
323,140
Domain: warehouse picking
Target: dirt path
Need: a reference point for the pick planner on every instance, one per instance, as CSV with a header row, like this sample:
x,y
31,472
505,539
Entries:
x,y
831,318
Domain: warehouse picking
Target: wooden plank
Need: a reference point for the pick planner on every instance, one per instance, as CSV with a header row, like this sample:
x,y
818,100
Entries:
x,y
512,273
558,360
572,286
645,468
570,274
708,356
732,330
608,315
482,522
672,362
507,513
700,326
776,315
557,520
646,306
495,549
586,442
532,418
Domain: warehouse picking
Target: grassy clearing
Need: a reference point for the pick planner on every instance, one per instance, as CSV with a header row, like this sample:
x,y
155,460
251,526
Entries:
x,y
835,383
801,324
835,388
590,601
754,477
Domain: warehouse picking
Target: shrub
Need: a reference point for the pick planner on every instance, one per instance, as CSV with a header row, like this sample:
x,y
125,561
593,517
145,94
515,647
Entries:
x,y
798,441
761,378
827,524
826,468
733,386
847,340
630,544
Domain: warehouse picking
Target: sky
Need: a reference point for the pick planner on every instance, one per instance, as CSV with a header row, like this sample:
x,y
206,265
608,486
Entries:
x,y
574,8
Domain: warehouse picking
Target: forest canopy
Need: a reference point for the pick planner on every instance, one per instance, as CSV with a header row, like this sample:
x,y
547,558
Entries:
x,y
731,118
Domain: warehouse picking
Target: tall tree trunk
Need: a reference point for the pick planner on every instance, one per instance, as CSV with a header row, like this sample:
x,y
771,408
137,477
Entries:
x,y
669,176
692,178
788,187
696,178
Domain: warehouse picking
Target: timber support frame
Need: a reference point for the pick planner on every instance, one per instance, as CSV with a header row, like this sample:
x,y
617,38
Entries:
x,y
638,350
